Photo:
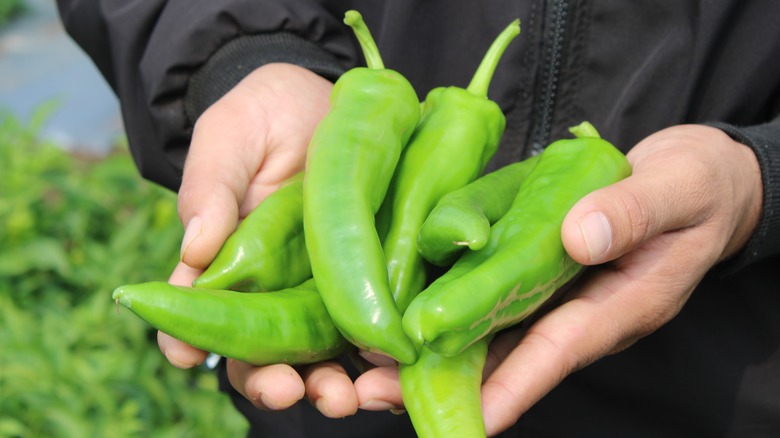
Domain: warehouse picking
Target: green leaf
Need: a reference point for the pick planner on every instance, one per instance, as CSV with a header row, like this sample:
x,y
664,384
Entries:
x,y
71,230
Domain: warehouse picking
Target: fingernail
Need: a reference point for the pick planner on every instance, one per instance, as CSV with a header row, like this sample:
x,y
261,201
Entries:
x,y
397,411
376,405
270,403
194,229
260,400
322,406
597,233
178,364
377,359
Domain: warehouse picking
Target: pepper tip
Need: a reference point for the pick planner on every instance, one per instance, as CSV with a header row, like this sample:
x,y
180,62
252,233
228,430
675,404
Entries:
x,y
120,298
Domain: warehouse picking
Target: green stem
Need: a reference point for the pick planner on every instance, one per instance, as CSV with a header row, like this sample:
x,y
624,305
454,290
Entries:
x,y
584,130
354,20
481,80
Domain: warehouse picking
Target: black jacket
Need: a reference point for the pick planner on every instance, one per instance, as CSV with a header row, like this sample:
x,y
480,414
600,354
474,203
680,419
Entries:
x,y
630,67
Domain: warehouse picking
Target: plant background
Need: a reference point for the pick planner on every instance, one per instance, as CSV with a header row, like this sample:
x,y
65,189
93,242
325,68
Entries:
x,y
74,226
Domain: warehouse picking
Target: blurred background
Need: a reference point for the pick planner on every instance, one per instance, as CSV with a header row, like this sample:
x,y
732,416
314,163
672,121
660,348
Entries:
x,y
76,221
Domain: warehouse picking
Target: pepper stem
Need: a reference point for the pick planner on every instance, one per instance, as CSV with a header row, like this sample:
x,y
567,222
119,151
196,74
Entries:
x,y
481,80
354,20
584,130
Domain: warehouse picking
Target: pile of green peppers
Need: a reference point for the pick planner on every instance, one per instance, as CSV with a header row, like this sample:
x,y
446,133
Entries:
x,y
340,256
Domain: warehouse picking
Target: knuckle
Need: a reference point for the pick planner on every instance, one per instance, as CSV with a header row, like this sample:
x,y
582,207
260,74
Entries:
x,y
635,210
501,390
566,359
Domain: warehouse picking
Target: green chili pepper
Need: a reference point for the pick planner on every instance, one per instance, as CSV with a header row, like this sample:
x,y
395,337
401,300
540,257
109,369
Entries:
x,y
458,133
351,160
524,260
267,251
443,394
286,326
462,218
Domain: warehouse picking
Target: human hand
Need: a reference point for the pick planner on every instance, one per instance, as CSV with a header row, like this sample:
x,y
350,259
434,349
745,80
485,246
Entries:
x,y
693,200
243,147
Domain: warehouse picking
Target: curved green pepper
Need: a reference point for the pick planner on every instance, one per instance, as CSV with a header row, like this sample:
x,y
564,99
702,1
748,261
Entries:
x,y
443,394
267,251
524,260
458,132
462,218
287,326
351,160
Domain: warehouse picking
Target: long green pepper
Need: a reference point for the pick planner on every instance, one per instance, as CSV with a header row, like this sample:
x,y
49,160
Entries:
x,y
442,394
524,261
462,218
267,251
458,133
286,326
352,157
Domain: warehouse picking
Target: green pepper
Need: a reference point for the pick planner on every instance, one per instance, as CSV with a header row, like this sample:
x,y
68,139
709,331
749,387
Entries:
x,y
462,218
458,132
287,326
351,160
524,261
443,394
267,251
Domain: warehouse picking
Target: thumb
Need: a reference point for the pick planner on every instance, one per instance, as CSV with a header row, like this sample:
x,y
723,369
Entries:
x,y
217,173
614,220
683,176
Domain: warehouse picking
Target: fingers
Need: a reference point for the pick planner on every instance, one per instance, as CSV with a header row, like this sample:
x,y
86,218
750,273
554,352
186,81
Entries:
x,y
661,230
616,219
379,389
178,353
279,386
499,348
377,359
330,389
272,387
614,306
243,147
220,164
684,176
565,340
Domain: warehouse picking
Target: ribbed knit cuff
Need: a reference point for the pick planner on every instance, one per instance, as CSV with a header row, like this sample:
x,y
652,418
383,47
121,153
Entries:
x,y
764,140
242,55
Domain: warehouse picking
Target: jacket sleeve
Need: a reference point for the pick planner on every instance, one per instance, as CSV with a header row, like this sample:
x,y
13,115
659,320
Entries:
x,y
764,140
169,60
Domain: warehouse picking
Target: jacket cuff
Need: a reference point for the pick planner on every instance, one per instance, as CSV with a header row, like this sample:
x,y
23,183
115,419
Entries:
x,y
764,140
242,55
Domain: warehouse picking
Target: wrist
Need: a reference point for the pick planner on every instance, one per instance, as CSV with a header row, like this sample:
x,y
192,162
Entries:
x,y
762,140
748,182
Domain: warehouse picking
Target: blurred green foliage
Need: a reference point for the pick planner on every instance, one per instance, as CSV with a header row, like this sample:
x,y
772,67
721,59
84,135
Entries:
x,y
71,230
10,9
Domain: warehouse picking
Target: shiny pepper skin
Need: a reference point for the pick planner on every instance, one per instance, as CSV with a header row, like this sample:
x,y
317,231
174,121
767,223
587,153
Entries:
x,y
286,326
462,218
458,133
442,394
267,251
524,261
351,160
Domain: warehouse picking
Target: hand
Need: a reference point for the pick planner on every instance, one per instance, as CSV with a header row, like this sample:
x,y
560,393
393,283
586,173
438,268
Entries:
x,y
243,147
693,200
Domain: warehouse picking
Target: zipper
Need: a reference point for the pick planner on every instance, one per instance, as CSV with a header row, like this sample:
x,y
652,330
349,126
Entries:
x,y
547,89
